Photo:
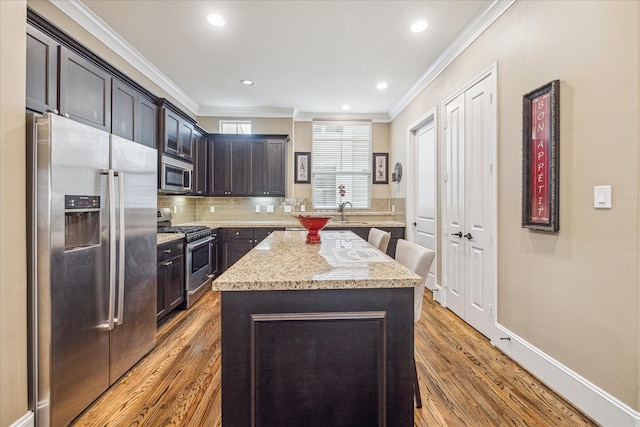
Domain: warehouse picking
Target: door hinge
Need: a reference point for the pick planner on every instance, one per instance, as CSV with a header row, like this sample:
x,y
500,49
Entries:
x,y
445,177
446,124
490,168
490,98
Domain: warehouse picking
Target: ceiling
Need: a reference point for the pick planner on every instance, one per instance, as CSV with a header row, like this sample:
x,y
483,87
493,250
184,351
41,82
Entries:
x,y
307,58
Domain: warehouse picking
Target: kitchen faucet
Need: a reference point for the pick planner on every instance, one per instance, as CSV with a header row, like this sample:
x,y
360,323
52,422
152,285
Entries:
x,y
341,208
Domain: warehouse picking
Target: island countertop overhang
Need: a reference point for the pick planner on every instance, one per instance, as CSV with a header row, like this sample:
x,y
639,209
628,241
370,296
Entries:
x,y
284,261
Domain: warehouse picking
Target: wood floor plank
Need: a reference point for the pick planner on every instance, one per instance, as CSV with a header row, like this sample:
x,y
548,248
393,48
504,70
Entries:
x,y
464,380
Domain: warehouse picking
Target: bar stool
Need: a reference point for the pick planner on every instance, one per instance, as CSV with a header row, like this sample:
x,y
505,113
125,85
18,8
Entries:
x,y
379,239
419,260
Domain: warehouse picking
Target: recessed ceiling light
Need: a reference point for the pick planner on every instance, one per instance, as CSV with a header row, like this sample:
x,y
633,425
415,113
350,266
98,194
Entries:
x,y
216,20
345,107
247,82
382,85
419,26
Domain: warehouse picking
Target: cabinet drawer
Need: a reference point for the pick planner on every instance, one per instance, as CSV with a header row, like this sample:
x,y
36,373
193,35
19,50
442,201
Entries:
x,y
170,250
261,233
237,233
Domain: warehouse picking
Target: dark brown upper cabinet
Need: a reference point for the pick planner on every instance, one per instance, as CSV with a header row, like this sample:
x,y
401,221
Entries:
x,y
85,91
200,163
229,166
133,116
176,132
42,72
268,166
248,165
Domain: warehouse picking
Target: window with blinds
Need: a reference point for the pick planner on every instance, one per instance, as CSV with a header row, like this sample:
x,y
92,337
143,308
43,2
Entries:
x,y
228,126
341,156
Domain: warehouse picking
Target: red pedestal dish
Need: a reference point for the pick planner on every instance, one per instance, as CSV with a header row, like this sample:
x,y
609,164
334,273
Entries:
x,y
313,224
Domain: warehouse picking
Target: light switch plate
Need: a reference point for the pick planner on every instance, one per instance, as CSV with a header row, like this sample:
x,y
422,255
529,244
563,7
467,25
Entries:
x,y
602,197
302,208
257,208
270,209
287,209
212,209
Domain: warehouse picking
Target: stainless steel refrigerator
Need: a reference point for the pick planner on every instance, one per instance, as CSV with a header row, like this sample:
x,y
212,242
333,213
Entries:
x,y
92,294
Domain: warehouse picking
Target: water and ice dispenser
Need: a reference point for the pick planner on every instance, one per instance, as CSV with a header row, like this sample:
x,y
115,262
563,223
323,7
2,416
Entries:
x,y
81,222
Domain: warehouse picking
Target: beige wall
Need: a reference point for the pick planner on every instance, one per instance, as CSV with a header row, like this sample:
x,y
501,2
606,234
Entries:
x,y
573,294
380,142
13,280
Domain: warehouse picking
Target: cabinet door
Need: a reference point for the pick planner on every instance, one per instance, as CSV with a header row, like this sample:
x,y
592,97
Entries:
x,y
233,250
42,72
85,91
257,163
220,160
186,141
200,160
275,174
171,133
174,283
239,166
123,109
146,117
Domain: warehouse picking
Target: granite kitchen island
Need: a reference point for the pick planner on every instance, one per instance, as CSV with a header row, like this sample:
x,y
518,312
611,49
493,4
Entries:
x,y
317,335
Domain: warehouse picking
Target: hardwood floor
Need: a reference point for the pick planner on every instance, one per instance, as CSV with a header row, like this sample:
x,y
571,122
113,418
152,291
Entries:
x,y
464,380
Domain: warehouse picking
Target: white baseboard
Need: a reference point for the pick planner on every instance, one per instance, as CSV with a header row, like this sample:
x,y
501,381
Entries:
x,y
27,420
589,398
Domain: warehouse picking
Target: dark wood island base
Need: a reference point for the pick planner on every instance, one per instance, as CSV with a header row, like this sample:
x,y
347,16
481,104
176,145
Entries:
x,y
323,357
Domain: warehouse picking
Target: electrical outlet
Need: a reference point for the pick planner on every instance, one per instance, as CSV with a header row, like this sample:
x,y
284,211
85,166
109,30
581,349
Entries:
x,y
287,209
175,209
393,208
302,208
257,208
212,209
270,209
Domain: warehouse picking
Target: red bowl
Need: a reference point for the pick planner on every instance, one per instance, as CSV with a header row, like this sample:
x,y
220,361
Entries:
x,y
313,224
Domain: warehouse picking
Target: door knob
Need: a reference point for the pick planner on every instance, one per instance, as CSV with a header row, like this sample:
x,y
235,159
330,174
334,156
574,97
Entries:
x,y
459,234
468,236
414,223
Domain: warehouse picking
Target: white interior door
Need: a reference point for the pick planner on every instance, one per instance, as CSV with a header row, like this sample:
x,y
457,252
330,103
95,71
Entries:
x,y
469,208
426,194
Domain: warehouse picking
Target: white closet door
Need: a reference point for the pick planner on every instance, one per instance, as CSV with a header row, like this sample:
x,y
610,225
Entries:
x,y
426,193
454,153
469,206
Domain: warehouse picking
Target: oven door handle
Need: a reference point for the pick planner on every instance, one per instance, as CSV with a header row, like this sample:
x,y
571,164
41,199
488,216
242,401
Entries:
x,y
194,245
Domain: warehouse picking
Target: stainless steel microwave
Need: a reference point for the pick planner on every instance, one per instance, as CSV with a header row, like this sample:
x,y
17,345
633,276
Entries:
x,y
176,175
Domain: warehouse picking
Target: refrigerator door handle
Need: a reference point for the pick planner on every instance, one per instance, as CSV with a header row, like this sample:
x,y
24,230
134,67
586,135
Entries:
x,y
112,247
121,246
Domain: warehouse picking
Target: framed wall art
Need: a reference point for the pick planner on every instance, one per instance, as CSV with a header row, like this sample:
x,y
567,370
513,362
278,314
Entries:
x,y
302,168
380,168
540,157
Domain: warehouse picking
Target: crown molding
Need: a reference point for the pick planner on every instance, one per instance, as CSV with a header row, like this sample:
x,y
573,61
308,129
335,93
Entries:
x,y
88,20
307,116
267,112
468,35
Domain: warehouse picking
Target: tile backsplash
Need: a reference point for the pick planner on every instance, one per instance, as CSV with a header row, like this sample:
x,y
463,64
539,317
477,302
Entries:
x,y
190,209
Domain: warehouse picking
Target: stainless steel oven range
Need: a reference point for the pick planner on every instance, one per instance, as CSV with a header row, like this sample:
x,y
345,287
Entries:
x,y
201,255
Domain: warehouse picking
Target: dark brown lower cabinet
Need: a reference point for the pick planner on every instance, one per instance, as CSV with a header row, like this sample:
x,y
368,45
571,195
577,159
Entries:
x,y
309,358
236,242
170,277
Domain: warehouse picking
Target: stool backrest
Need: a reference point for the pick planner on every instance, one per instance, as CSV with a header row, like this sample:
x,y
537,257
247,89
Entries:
x,y
417,259
379,239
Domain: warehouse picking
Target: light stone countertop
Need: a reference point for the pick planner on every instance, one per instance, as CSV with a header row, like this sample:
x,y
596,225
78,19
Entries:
x,y
294,223
283,261
169,237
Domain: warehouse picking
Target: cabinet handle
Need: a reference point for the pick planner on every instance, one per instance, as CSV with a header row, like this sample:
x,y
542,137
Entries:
x,y
167,251
168,263
459,234
54,111
66,115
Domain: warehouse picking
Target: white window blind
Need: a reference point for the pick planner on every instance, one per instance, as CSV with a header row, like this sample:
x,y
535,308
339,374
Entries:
x,y
228,126
341,155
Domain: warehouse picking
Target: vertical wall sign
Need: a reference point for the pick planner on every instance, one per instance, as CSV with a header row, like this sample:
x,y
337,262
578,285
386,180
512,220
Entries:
x,y
540,157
